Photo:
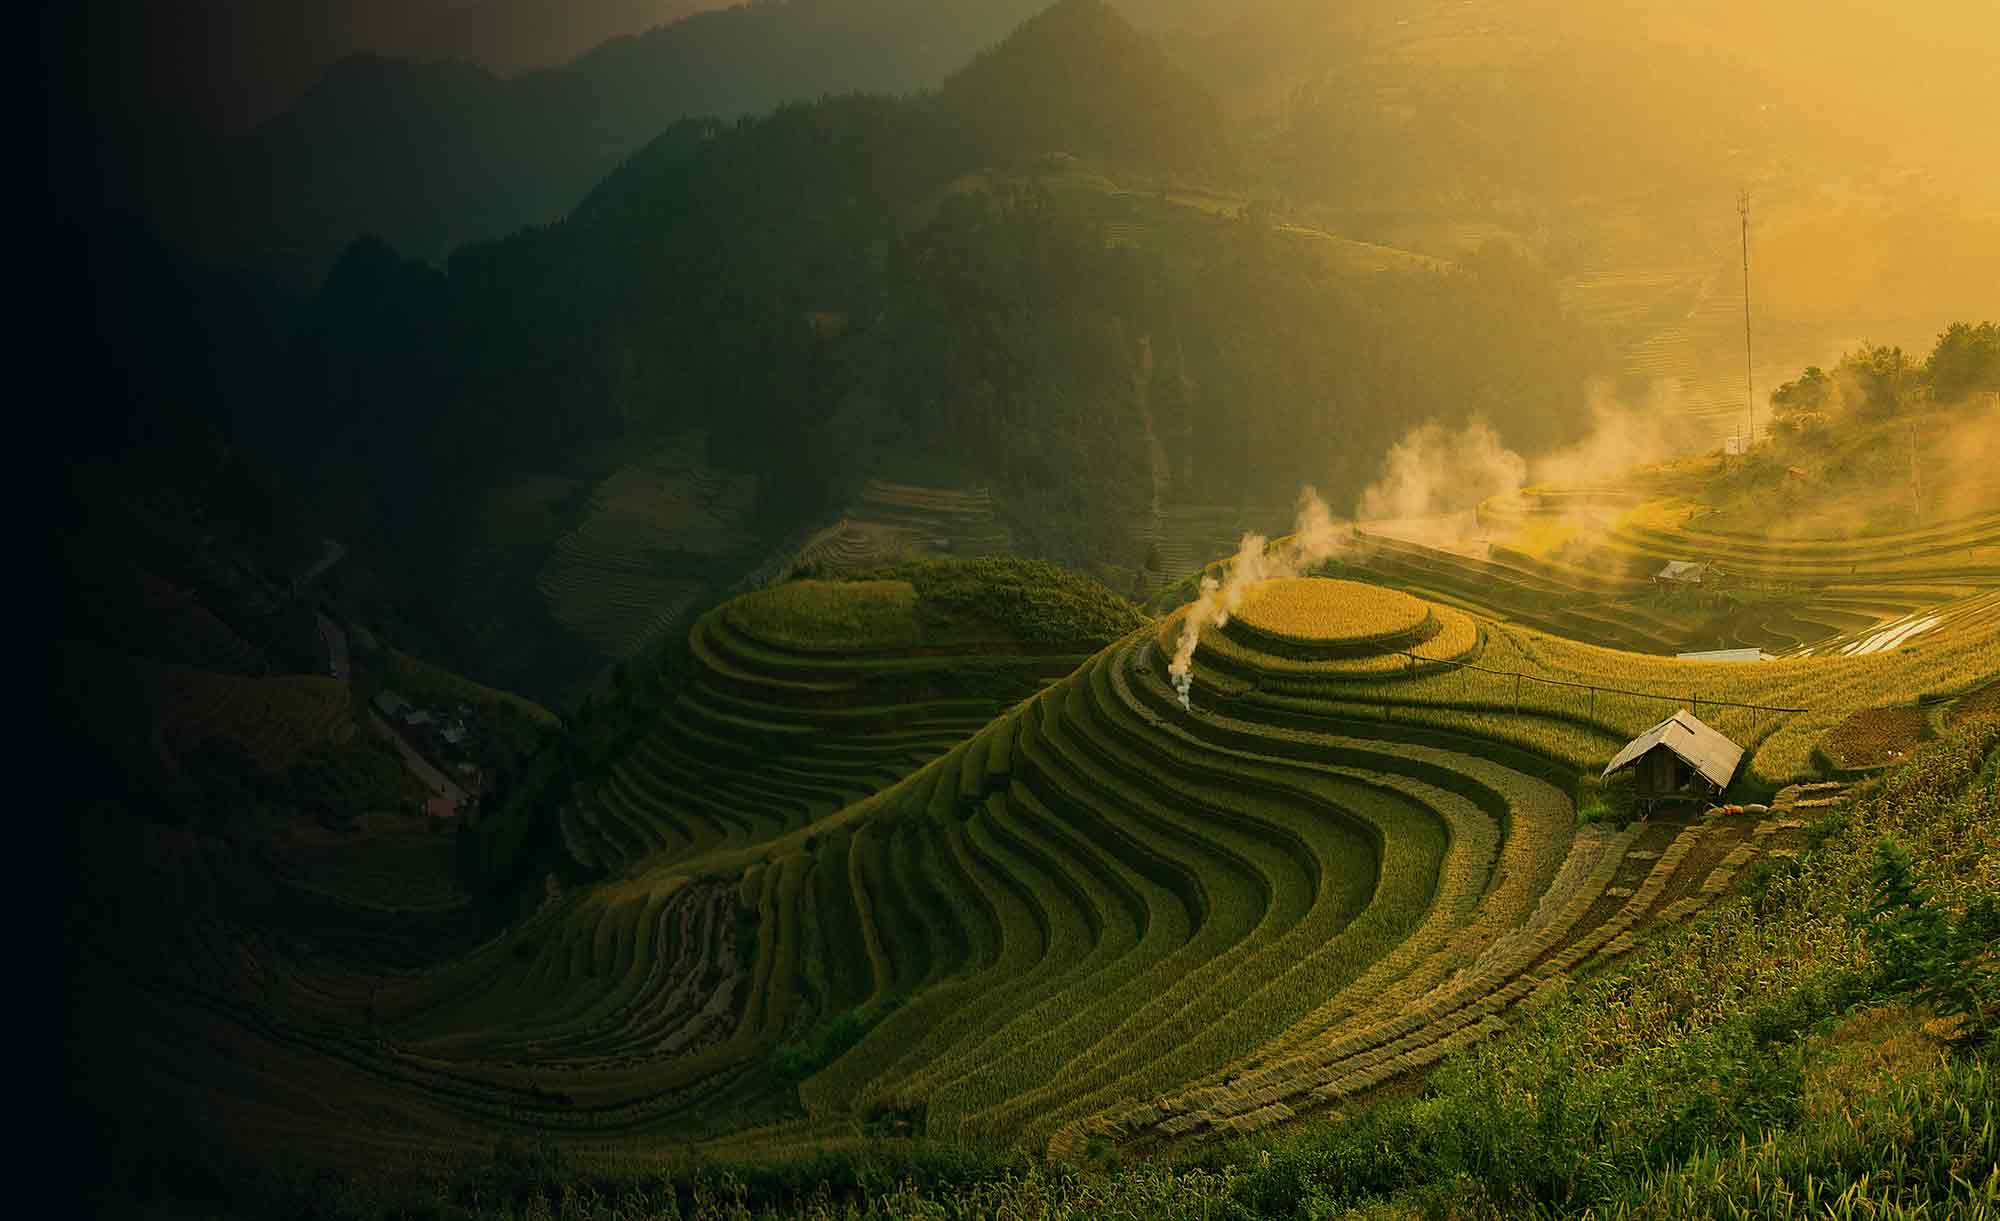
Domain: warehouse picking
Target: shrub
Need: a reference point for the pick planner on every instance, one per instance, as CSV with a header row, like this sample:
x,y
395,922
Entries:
x,y
792,1063
1948,961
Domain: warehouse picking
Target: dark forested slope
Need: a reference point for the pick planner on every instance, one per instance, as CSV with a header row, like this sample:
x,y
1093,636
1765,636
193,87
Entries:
x,y
1009,280
434,153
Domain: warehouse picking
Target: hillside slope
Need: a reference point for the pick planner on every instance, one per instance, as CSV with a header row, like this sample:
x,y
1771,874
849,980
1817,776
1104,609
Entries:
x,y
1098,919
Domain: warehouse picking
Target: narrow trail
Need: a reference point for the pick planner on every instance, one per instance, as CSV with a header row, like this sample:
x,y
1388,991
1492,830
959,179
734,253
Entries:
x,y
419,766
1140,369
331,553
335,639
1156,450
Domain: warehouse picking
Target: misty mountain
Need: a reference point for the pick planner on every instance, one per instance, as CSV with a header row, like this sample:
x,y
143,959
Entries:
x,y
1080,78
510,36
1017,286
431,155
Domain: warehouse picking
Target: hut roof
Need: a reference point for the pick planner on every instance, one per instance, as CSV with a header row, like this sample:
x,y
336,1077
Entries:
x,y
1700,747
1682,570
1725,655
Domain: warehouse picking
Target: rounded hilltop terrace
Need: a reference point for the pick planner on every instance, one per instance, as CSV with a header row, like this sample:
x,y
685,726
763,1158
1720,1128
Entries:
x,y
1321,627
940,855
1322,617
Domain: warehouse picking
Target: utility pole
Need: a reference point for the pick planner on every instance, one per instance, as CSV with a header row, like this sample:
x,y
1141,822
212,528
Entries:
x,y
1916,479
1749,384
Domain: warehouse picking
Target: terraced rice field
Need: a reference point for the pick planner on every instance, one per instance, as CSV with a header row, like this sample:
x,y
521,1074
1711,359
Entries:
x,y
956,521
1876,736
1967,549
1189,537
775,732
1604,604
122,601
850,546
1550,710
1315,610
1065,910
631,570
177,709
1839,596
1632,298
891,522
1843,597
1099,919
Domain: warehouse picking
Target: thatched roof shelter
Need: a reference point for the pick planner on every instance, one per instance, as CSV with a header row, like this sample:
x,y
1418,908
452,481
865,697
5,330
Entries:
x,y
1677,755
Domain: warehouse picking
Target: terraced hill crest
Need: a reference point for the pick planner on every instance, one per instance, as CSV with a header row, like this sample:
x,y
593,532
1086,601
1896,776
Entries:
x,y
811,695
1319,617
939,852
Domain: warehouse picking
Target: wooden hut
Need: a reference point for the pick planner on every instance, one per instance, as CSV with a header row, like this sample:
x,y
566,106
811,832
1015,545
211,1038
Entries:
x,y
1678,758
1686,574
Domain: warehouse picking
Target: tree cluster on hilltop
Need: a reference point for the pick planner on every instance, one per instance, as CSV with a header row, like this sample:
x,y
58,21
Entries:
x,y
1881,381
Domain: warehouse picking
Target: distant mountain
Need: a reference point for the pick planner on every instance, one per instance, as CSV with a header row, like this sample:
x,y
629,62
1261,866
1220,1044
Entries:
x,y
1080,78
431,155
510,36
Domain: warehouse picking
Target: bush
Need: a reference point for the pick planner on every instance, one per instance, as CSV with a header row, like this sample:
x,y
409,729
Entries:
x,y
1947,961
1034,600
792,1063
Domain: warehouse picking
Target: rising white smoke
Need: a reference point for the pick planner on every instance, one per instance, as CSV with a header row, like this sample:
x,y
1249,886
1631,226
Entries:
x,y
1314,539
1435,471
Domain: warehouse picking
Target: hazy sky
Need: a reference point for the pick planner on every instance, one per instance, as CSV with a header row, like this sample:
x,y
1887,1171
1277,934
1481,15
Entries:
x,y
226,64
221,66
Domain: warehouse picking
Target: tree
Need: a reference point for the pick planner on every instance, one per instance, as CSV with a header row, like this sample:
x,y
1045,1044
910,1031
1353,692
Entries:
x,y
1814,391
1878,380
1966,361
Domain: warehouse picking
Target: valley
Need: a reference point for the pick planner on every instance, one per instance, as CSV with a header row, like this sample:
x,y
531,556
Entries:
x,y
1120,608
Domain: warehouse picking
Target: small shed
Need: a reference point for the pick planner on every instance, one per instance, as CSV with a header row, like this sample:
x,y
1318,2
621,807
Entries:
x,y
826,324
392,704
441,807
1679,757
1684,573
1725,655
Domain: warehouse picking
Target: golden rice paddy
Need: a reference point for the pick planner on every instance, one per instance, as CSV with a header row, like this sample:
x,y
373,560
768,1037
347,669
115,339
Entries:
x,y
1323,609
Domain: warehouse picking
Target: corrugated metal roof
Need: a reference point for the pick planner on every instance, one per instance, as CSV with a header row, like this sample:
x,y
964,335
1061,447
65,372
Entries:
x,y
1725,655
1681,570
1700,747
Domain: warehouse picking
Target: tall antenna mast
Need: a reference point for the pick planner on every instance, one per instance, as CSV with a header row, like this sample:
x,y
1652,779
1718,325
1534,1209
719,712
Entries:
x,y
1749,383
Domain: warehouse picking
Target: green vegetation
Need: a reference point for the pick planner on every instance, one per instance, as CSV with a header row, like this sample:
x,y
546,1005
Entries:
x,y
794,702
1032,601
1781,1059
423,680
936,855
1879,381
917,882
832,617
960,281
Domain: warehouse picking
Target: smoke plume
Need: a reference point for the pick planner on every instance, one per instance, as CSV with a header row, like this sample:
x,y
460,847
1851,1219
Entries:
x,y
1314,539
1437,470
1434,469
